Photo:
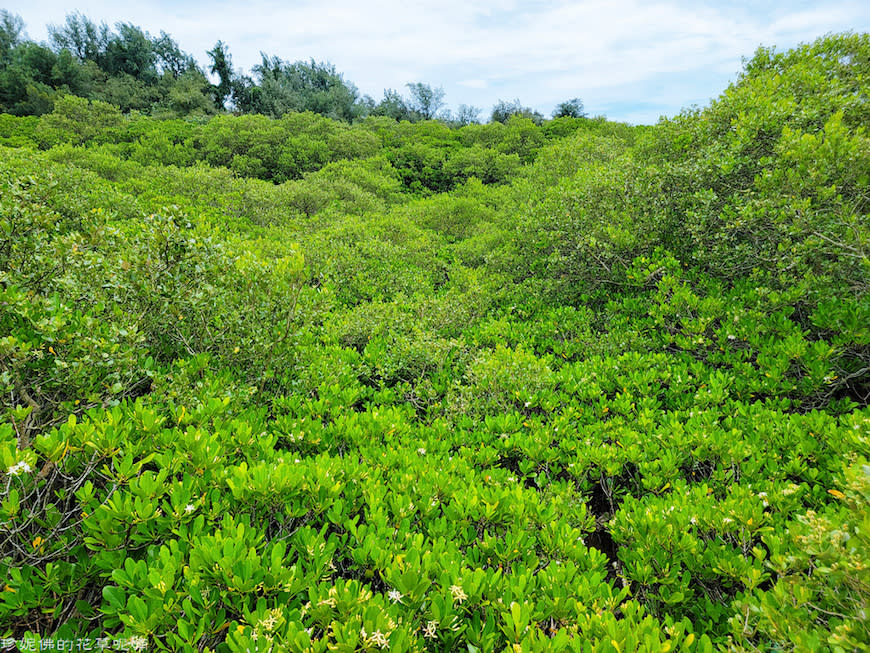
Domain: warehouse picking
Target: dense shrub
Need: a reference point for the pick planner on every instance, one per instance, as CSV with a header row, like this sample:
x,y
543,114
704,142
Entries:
x,y
298,385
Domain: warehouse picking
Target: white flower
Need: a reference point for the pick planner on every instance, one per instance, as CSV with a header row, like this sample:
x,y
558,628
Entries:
x,y
189,508
727,520
458,593
429,629
268,623
379,639
421,451
138,643
732,337
19,467
395,595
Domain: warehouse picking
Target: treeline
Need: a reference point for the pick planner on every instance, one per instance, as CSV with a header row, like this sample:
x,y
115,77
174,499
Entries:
x,y
135,71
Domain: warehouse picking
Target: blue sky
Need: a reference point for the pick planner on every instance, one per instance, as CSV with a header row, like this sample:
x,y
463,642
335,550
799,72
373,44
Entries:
x,y
627,59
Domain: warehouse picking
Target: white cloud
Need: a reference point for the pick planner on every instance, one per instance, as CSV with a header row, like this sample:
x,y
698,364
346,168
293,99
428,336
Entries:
x,y
541,52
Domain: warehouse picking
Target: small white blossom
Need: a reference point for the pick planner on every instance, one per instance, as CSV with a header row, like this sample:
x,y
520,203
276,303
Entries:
x,y
421,451
727,520
189,508
458,593
379,640
732,337
269,622
395,595
138,643
429,629
19,467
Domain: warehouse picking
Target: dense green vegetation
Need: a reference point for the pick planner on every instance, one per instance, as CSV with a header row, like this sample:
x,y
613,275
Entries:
x,y
304,384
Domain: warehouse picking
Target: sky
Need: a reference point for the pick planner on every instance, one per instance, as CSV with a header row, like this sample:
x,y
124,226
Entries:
x,y
629,60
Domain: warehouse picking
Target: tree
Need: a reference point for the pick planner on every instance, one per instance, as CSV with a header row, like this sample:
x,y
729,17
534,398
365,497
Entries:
x,y
393,106
304,86
467,114
246,96
222,66
572,108
130,52
189,94
425,100
323,90
26,80
504,110
11,27
81,36
73,76
170,57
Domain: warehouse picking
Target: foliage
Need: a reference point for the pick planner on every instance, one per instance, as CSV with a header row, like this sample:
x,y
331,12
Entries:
x,y
503,110
572,108
425,100
296,384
